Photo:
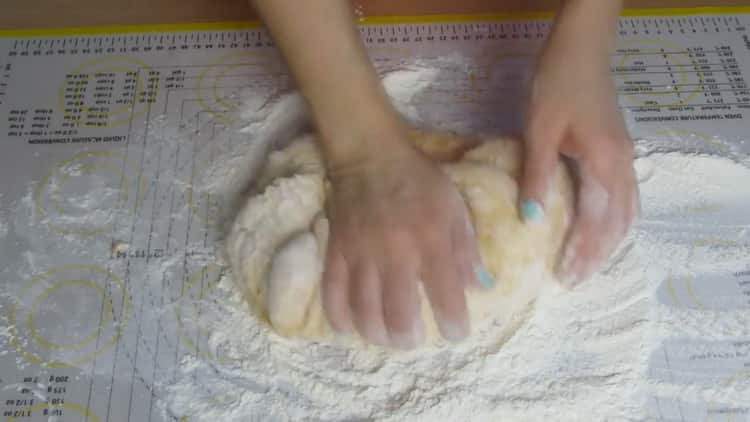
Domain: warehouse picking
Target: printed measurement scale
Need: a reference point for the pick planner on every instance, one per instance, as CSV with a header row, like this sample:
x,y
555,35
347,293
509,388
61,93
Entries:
x,y
102,292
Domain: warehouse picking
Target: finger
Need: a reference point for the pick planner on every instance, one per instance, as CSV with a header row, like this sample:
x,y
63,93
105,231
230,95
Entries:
x,y
445,291
401,305
366,304
624,210
604,214
335,292
539,166
634,209
635,199
623,207
585,240
609,235
468,260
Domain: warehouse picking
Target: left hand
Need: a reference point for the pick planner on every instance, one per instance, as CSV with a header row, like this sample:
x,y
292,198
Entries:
x,y
573,112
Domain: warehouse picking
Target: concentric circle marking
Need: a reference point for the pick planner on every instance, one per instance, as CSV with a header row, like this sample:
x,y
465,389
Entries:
x,y
36,304
662,46
26,339
208,83
48,202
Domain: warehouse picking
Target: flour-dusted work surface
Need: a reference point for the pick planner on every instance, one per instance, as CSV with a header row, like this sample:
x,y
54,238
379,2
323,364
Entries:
x,y
123,156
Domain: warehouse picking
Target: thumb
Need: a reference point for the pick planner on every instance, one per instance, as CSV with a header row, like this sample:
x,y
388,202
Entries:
x,y
539,166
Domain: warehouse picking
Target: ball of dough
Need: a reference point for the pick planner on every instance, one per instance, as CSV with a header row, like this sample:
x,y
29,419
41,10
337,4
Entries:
x,y
277,244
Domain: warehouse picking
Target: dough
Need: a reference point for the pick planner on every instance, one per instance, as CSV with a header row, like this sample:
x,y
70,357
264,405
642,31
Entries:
x,y
278,241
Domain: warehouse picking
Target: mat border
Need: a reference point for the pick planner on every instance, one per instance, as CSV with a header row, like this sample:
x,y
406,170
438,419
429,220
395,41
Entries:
x,y
371,20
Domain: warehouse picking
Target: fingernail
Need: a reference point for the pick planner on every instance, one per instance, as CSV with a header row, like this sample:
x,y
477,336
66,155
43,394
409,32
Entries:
x,y
484,277
379,338
532,211
343,335
569,281
454,332
404,341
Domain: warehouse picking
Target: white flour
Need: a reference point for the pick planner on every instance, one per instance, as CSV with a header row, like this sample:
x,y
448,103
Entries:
x,y
588,352
3,225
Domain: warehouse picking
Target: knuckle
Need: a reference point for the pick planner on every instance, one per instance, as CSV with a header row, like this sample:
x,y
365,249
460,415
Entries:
x,y
399,237
435,242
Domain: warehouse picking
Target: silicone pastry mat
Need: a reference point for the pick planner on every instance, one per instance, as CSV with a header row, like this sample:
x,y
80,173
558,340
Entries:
x,y
98,291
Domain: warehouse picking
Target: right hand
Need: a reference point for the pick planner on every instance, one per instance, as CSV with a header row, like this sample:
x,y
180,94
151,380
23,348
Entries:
x,y
397,219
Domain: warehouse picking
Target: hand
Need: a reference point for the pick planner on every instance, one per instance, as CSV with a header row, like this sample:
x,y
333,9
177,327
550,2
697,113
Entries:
x,y
573,112
397,219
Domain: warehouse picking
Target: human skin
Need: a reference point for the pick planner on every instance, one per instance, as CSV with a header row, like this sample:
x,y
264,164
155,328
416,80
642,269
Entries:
x,y
397,220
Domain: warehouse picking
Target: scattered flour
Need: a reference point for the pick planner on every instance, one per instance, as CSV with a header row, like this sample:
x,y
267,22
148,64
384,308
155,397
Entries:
x,y
403,86
586,352
3,219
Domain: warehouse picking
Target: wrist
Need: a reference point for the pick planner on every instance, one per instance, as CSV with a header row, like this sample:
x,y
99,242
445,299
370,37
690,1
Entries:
x,y
354,118
367,139
587,26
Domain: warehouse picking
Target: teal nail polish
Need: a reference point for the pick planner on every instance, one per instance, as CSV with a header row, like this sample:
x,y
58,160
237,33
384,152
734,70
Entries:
x,y
343,335
532,211
484,277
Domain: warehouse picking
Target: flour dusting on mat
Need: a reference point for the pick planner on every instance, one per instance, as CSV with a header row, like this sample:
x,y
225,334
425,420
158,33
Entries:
x,y
585,352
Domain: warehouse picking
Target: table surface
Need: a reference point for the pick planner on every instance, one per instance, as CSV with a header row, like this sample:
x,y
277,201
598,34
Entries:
x,y
65,13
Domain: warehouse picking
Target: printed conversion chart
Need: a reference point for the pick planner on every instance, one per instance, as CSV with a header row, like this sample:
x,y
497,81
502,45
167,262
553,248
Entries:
x,y
107,249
